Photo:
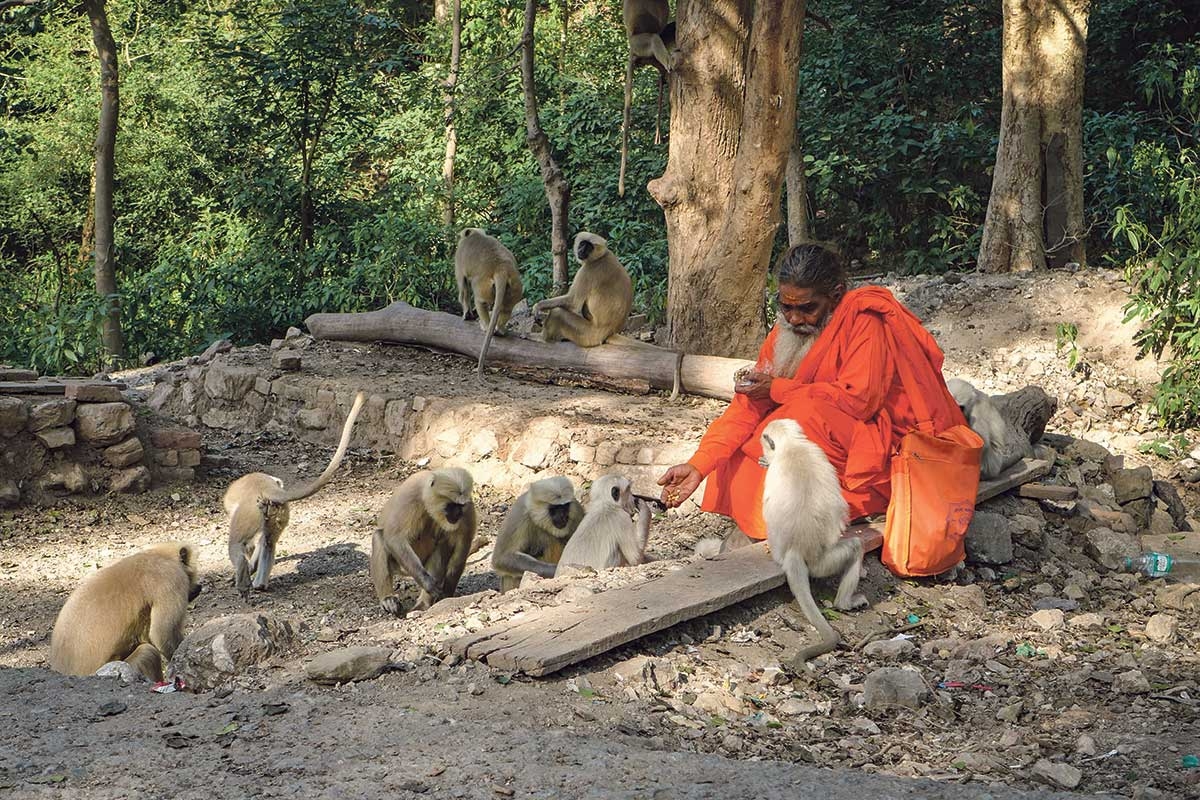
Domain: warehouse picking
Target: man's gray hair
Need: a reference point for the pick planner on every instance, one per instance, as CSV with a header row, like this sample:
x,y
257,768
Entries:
x,y
812,265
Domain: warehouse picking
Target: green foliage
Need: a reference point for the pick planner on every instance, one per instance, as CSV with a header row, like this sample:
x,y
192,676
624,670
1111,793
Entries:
x,y
1171,447
1066,335
1164,240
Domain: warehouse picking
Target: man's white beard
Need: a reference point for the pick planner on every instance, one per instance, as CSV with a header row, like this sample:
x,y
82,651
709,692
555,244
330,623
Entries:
x,y
790,349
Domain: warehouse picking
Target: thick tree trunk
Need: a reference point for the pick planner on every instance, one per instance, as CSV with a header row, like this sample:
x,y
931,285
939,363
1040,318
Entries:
x,y
733,119
1035,212
558,192
448,100
106,139
708,376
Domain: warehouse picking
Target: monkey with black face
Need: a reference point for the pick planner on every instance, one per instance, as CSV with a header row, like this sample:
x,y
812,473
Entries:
x,y
132,611
607,537
805,515
425,531
257,505
535,531
491,270
651,38
1004,444
598,303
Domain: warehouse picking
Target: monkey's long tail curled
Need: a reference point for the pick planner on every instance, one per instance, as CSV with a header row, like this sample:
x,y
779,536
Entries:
x,y
500,285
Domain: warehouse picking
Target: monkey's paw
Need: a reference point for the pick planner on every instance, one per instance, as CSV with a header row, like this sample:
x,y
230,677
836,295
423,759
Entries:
x,y
391,605
857,601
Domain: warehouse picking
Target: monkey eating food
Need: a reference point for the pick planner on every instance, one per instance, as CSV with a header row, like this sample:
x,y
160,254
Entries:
x,y
490,269
607,537
132,610
805,515
257,505
535,531
425,531
598,303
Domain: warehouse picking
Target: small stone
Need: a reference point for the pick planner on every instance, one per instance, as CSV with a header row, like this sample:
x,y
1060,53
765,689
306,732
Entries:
x,y
1049,619
1085,745
418,403
581,453
720,703
225,382
1061,603
894,686
286,360
1058,773
51,414
55,438
1088,620
68,476
1109,548
104,424
606,453
133,480
889,649
989,539
794,707
219,346
348,664
1131,682
1117,399
1162,628
1011,712
122,670
314,419
327,635
125,453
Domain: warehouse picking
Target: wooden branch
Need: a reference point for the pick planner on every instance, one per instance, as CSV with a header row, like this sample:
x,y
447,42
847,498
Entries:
x,y
707,376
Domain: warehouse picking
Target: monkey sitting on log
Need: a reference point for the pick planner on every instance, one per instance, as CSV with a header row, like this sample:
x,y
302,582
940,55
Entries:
x,y
425,531
805,515
257,505
490,269
607,537
132,610
535,531
598,303
1004,444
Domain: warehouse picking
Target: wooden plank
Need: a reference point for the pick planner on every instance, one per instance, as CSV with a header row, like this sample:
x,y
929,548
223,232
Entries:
x,y
1048,491
553,638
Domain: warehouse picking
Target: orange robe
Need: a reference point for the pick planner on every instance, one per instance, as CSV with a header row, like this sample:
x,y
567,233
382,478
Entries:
x,y
848,398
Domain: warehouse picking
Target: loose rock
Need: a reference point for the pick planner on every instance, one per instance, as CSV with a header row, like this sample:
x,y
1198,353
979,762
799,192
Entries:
x,y
989,539
894,686
1162,628
348,664
1060,774
1050,619
889,648
1109,548
104,423
226,646
1131,682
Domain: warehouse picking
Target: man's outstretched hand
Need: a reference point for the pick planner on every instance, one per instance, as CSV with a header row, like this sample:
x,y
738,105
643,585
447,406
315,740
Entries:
x,y
678,484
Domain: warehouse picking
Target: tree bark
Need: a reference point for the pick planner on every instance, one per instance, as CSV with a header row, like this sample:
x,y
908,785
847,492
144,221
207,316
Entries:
x,y
733,119
708,376
1029,409
558,192
1035,211
797,196
449,102
105,152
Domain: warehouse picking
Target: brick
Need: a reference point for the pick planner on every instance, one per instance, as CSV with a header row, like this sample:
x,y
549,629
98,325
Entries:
x,y
189,458
287,360
93,392
125,454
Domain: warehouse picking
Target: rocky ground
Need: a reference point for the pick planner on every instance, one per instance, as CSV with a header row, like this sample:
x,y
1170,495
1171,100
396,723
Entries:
x,y
1033,667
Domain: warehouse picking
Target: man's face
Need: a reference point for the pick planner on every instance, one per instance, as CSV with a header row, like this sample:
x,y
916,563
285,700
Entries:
x,y
804,309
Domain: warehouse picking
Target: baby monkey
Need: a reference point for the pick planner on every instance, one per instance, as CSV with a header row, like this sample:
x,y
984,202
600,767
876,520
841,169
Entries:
x,y
805,515
535,531
607,537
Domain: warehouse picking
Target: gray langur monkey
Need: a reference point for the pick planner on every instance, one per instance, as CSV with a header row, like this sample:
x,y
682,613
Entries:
x,y
651,37
535,531
257,505
1004,444
805,515
607,537
425,531
598,303
491,270
132,610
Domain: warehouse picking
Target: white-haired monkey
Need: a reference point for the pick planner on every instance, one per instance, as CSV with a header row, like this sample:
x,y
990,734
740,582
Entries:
x,y
1004,444
425,531
598,303
257,505
491,270
607,537
535,531
805,515
132,610
651,37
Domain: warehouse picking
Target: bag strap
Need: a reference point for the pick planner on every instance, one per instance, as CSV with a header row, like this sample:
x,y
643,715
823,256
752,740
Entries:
x,y
908,376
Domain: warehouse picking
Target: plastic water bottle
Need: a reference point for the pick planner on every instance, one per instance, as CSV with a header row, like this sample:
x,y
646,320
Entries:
x,y
1159,565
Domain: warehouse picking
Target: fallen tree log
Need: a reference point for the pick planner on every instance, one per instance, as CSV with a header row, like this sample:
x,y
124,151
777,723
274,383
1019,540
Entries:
x,y
708,376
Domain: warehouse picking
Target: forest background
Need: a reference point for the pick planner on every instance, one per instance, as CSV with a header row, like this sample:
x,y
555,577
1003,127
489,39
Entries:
x,y
277,159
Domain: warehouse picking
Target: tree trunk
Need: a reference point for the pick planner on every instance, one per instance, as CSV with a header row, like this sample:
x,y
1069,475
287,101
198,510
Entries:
x,y
733,118
797,196
558,193
708,376
448,100
1035,212
106,139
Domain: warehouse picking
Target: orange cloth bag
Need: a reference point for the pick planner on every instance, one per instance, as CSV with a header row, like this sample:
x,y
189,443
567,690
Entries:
x,y
935,480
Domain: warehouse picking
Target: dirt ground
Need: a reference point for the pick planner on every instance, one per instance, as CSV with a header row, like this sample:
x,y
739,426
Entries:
x,y
728,723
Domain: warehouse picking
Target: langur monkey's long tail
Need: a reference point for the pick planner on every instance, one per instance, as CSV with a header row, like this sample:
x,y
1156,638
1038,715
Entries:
x,y
312,488
500,286
625,127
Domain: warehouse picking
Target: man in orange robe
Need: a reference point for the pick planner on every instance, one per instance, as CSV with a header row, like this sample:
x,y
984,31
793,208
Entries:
x,y
830,364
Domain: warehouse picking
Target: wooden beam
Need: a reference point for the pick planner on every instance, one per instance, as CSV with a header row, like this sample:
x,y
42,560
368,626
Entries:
x,y
552,638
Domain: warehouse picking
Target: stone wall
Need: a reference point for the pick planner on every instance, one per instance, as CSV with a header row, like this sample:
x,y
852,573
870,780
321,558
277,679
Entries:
x,y
84,438
503,444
